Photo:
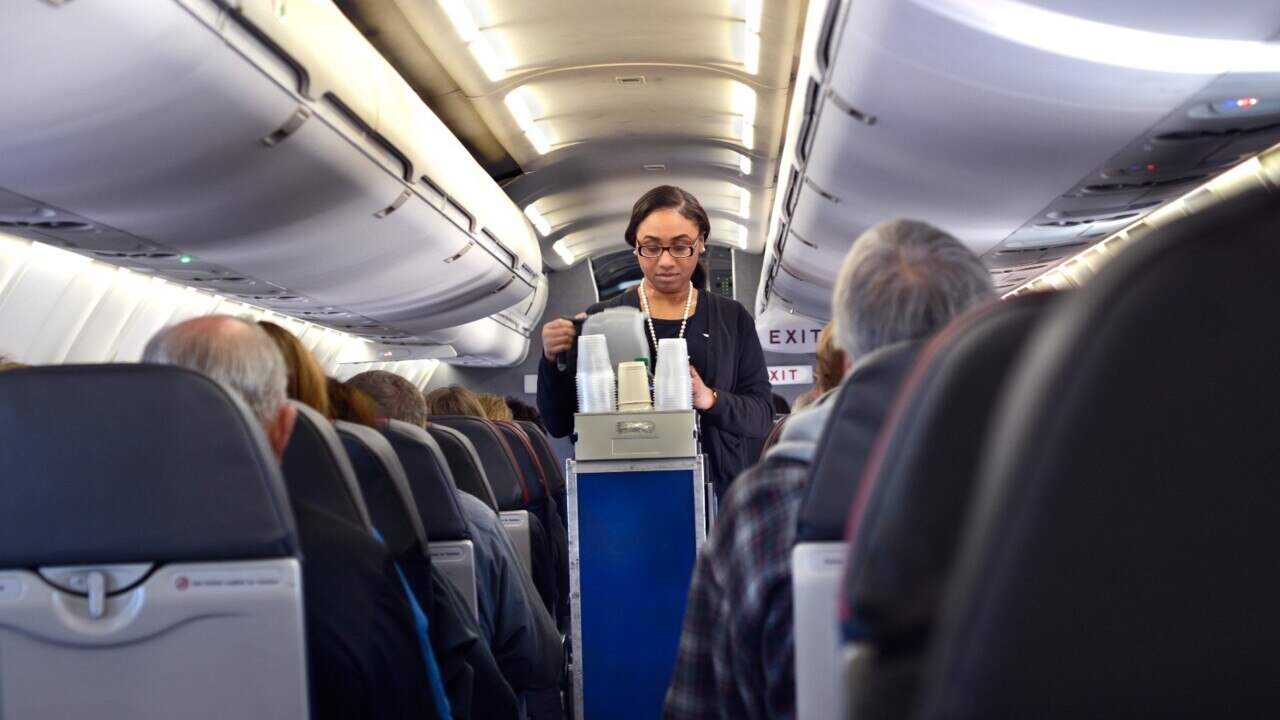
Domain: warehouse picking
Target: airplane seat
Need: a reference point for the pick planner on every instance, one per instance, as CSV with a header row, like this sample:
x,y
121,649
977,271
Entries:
x,y
508,485
514,493
464,463
317,471
391,505
436,498
772,438
817,560
1120,558
551,466
150,559
860,407
544,507
904,524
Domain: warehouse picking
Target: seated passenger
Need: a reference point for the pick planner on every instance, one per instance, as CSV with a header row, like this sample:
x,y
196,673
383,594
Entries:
x,y
521,410
454,400
900,281
517,626
495,408
392,395
828,368
307,383
348,403
364,655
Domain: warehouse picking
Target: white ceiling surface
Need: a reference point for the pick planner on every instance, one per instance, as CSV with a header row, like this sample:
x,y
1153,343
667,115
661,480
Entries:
x,y
563,58
981,121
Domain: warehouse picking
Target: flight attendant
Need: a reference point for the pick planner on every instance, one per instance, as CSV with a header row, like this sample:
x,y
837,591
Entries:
x,y
668,233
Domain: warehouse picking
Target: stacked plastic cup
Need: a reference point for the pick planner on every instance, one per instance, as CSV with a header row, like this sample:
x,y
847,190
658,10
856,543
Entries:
x,y
595,376
672,385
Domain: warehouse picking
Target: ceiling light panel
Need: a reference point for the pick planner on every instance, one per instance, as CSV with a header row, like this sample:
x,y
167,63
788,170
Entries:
x,y
539,222
564,252
751,52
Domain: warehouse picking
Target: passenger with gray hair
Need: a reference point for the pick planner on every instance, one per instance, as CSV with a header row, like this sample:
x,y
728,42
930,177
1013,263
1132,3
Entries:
x,y
901,281
515,623
365,658
393,396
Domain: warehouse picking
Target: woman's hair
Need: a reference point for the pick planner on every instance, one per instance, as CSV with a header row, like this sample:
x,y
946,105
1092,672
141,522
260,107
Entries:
x,y
307,383
670,197
521,410
351,404
495,408
830,366
454,400
7,364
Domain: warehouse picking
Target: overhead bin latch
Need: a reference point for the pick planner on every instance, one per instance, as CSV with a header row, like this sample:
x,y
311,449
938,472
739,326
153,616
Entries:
x,y
395,205
290,126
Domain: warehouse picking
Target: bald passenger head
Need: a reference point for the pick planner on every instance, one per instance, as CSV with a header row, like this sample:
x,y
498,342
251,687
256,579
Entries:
x,y
239,355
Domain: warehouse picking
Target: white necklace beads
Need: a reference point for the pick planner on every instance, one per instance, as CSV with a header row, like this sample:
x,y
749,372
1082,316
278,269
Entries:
x,y
644,305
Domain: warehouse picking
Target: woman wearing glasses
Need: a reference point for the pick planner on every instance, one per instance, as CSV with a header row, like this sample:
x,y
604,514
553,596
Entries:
x,y
668,232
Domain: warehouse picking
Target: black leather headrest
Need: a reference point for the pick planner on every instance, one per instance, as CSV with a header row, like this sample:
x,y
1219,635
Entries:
x,y
916,487
535,482
430,480
1122,557
385,489
317,471
106,464
499,466
551,464
860,407
464,463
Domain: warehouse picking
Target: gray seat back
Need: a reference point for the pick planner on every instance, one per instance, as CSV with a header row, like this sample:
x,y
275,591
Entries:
x,y
464,463
317,470
166,533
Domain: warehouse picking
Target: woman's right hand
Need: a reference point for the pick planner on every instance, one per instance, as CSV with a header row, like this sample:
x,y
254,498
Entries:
x,y
557,336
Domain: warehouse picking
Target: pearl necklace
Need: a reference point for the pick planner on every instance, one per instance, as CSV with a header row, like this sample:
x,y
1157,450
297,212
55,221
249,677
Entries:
x,y
644,305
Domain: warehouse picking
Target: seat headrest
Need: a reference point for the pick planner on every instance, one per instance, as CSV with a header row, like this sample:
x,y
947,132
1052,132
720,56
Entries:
x,y
917,483
317,470
551,464
535,481
860,407
1121,557
106,464
430,480
495,455
464,463
385,489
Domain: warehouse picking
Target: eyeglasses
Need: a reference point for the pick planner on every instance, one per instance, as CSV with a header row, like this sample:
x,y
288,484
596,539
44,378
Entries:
x,y
655,251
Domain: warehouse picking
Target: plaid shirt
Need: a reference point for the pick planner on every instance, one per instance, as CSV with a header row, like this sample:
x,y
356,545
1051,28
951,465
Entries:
x,y
736,657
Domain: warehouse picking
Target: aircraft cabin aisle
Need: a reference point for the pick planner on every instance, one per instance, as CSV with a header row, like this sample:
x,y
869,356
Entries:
x,y
1047,506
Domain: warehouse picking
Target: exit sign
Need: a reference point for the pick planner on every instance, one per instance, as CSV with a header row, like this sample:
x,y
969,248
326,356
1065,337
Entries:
x,y
790,374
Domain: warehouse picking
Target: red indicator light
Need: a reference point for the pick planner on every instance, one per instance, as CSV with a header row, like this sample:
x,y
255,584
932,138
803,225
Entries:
x,y
1246,102
1151,167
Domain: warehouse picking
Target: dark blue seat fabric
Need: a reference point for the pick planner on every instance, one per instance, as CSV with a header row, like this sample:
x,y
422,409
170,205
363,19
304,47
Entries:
x,y
391,505
430,481
917,484
110,464
464,463
317,471
860,408
1121,557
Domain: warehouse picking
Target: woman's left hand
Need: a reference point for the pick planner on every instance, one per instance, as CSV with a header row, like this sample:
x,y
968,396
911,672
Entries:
x,y
703,397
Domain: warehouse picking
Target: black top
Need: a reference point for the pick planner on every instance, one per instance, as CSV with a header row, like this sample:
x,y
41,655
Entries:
x,y
696,335
732,363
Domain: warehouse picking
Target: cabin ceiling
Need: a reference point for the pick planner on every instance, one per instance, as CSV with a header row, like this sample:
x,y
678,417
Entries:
x,y
627,96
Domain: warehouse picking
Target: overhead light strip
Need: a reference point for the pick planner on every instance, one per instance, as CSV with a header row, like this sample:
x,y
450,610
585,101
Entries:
x,y
469,31
539,222
523,116
564,252
751,37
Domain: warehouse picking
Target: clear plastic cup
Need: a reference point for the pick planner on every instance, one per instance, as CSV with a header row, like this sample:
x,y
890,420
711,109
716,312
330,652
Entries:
x,y
596,392
593,354
673,386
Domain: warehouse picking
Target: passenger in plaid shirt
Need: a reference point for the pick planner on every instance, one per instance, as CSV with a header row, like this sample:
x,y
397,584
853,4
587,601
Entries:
x,y
901,280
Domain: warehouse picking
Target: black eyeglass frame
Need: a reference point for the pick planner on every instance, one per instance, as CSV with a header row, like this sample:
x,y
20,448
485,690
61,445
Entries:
x,y
667,248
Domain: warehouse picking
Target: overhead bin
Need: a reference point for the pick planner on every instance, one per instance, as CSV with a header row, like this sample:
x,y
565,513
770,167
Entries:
x,y
267,144
1005,127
